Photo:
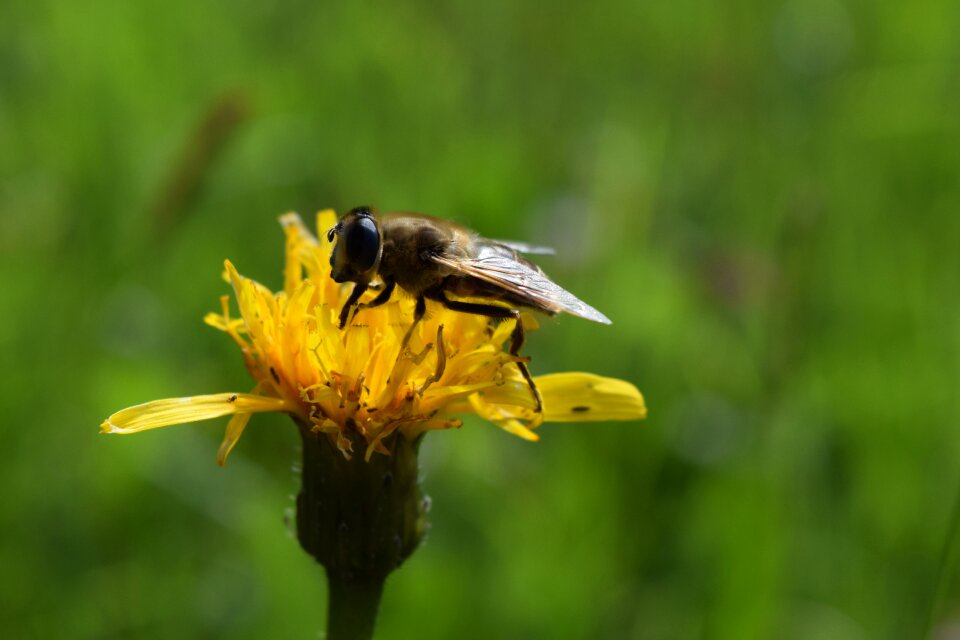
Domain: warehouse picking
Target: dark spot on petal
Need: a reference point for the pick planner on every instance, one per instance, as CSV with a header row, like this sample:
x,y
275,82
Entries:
x,y
232,398
580,409
273,374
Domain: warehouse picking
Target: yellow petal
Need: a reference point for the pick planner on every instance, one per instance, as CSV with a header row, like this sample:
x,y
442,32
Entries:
x,y
411,431
515,392
217,321
234,430
585,397
517,428
292,271
453,392
500,418
326,219
163,413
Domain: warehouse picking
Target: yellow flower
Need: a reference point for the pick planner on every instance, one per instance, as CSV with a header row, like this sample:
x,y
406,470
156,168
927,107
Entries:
x,y
360,381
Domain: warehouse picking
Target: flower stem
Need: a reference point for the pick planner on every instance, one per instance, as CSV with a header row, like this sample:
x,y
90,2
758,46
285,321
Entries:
x,y
360,519
352,613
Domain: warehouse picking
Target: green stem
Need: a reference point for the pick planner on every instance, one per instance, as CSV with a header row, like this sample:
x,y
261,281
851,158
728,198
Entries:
x,y
360,519
352,613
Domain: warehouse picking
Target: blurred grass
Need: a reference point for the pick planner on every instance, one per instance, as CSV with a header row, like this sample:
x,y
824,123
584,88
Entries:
x,y
763,196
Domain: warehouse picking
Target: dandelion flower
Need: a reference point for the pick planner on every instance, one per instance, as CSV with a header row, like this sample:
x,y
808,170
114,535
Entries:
x,y
361,400
360,385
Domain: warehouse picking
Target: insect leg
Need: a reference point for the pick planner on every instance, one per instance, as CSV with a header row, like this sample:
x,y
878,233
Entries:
x,y
494,311
358,290
382,297
418,314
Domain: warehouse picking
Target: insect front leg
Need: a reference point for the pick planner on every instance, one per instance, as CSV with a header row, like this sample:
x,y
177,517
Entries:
x,y
494,311
358,290
382,297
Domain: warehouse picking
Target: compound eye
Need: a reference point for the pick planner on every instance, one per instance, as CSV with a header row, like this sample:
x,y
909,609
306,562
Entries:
x,y
362,244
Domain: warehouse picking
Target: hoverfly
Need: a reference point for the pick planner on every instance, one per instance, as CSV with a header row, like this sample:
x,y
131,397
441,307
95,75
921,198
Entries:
x,y
431,259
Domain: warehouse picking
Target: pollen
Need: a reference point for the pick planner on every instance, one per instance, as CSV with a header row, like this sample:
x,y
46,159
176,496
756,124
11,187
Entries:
x,y
361,384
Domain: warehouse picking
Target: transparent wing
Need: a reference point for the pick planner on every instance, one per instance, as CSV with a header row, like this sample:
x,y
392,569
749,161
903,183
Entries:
x,y
523,247
500,266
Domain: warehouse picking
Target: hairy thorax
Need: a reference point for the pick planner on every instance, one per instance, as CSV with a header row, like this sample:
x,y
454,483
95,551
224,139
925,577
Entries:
x,y
408,244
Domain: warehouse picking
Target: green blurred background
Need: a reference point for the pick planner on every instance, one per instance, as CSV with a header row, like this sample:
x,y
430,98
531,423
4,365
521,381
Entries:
x,y
763,196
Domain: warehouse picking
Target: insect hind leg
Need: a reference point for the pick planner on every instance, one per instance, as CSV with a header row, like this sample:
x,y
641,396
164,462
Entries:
x,y
516,342
494,311
418,314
